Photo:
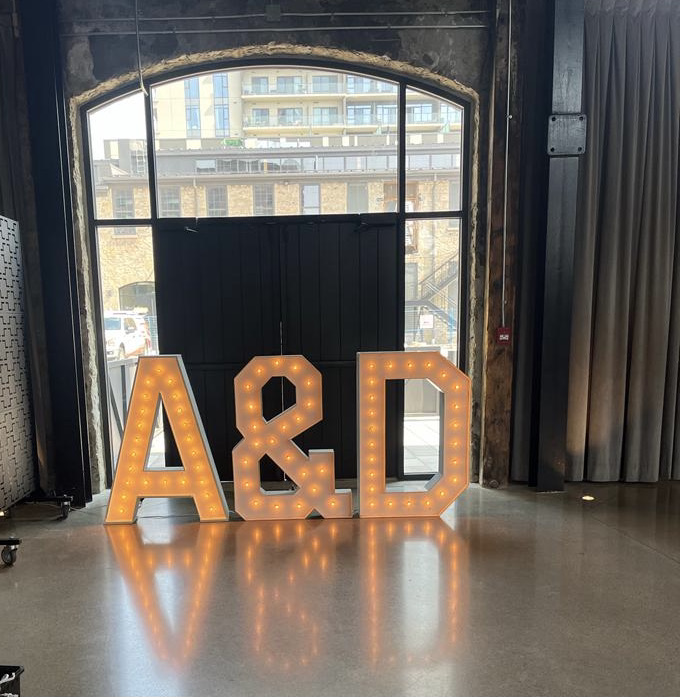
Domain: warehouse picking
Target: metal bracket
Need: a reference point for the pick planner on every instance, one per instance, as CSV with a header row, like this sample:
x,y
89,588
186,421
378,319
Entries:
x,y
567,135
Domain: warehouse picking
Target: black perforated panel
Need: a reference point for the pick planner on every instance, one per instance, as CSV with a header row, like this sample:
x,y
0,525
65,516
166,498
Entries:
x,y
17,463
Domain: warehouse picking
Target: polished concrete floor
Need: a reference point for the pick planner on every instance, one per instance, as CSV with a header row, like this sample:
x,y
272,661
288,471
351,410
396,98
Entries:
x,y
510,593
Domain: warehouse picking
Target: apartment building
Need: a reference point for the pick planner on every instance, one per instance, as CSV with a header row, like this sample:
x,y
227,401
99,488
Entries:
x,y
291,141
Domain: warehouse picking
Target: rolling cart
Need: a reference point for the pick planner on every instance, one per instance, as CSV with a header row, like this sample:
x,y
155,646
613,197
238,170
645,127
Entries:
x,y
8,554
9,680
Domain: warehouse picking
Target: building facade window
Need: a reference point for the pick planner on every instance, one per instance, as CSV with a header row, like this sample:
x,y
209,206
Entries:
x,y
123,203
359,114
191,89
326,84
193,114
355,163
216,201
290,116
357,197
192,107
259,117
287,84
259,85
386,113
420,161
263,199
138,163
325,115
311,199
450,114
220,86
221,120
221,104
420,113
169,202
367,85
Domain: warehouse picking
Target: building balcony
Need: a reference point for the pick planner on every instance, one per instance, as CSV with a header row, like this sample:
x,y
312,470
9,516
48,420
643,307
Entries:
x,y
247,92
288,123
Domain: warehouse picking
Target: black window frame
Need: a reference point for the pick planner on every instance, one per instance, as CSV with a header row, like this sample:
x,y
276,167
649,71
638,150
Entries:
x,y
382,81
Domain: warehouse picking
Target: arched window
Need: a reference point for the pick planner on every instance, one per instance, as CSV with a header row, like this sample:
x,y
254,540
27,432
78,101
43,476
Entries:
x,y
243,142
288,140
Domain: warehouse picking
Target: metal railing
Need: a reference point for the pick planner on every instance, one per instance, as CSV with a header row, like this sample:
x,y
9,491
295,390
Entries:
x,y
371,88
438,279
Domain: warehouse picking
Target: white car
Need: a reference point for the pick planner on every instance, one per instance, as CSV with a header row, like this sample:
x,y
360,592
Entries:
x,y
125,334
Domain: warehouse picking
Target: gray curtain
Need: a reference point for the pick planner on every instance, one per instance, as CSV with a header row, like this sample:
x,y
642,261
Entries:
x,y
624,410
9,155
17,201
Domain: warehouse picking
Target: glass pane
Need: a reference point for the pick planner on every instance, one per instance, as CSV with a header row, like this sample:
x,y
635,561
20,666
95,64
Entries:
x,y
120,175
434,149
268,136
129,314
432,291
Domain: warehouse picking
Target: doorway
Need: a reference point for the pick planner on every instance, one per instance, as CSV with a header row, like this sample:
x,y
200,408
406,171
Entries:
x,y
321,288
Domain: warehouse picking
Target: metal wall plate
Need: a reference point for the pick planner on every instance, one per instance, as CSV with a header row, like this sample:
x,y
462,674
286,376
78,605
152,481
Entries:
x,y
567,135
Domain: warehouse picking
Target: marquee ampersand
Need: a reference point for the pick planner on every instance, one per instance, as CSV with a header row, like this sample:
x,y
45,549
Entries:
x,y
314,474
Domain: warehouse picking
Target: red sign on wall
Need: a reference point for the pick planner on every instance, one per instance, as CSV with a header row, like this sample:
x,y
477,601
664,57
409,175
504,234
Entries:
x,y
503,335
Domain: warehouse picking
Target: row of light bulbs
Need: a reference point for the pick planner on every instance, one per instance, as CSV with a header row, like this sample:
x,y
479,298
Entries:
x,y
163,378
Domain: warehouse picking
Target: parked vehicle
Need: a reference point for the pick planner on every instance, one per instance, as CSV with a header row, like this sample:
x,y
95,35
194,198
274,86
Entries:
x,y
126,335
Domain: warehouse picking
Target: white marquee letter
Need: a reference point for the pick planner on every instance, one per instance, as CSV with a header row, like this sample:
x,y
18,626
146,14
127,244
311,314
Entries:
x,y
373,369
162,379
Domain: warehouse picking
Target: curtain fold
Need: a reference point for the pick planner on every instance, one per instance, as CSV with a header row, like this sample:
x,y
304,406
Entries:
x,y
624,410
9,156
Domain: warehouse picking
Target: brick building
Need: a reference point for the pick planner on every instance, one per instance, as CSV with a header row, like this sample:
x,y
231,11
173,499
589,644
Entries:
x,y
287,141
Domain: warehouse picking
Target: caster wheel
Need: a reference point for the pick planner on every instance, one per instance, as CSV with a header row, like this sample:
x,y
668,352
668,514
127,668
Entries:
x,y
65,509
8,555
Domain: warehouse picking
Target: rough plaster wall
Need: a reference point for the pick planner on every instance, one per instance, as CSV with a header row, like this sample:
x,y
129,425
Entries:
x,y
453,59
